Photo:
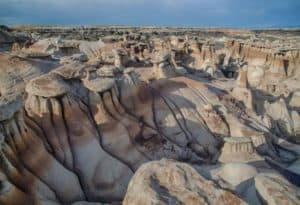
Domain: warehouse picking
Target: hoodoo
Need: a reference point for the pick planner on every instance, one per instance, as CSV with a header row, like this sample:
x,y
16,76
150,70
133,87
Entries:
x,y
138,116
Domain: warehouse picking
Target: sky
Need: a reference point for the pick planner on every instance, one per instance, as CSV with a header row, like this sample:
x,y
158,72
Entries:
x,y
183,13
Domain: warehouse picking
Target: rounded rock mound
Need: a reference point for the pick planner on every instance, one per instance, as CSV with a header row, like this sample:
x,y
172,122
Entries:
x,y
49,85
99,84
169,182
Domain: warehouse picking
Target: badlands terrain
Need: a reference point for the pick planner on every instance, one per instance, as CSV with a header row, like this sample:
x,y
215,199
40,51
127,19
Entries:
x,y
149,116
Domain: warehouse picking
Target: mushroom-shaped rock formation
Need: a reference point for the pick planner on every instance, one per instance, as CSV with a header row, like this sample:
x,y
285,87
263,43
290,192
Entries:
x,y
120,58
17,71
74,70
108,71
92,48
80,57
70,140
49,85
163,66
55,46
99,84
86,127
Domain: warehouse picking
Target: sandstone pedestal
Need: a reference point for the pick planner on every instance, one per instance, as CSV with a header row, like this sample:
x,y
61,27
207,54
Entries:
x,y
238,149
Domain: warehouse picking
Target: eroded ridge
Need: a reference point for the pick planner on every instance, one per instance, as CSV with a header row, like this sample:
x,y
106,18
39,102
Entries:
x,y
85,119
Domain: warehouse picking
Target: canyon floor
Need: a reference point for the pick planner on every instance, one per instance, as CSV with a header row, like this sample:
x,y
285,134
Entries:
x,y
149,116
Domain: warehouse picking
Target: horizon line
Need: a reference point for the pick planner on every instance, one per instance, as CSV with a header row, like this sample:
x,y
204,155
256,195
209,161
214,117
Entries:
x,y
153,26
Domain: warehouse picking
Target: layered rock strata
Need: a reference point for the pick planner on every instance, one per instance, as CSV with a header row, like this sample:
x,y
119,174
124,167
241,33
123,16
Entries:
x,y
80,120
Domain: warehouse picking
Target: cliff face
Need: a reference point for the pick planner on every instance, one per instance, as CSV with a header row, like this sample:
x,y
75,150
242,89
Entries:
x,y
204,55
280,64
81,137
78,128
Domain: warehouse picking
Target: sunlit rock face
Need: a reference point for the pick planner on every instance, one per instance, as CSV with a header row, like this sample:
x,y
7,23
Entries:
x,y
89,122
169,182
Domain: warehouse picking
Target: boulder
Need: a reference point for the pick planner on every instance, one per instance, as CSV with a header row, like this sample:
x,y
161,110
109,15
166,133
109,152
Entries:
x,y
170,182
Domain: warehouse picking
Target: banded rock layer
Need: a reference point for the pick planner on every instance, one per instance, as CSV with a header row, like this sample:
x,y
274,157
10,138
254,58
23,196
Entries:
x,y
79,128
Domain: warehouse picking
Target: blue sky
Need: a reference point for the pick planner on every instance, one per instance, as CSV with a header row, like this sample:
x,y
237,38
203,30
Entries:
x,y
196,13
